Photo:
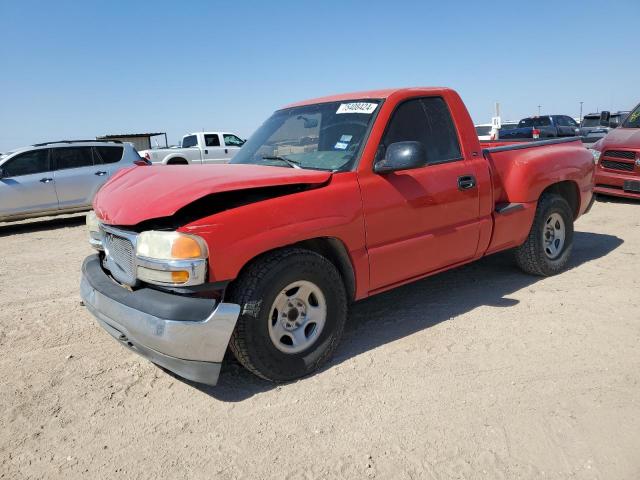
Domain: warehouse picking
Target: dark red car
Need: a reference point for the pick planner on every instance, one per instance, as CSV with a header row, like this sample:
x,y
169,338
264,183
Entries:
x,y
618,155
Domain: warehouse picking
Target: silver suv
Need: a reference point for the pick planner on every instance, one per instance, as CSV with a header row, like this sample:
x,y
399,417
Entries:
x,y
59,177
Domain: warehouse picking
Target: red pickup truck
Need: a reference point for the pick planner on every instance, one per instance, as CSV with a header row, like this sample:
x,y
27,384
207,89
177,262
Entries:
x,y
330,201
618,158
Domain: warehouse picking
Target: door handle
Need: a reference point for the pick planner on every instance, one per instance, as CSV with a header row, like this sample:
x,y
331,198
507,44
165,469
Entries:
x,y
206,151
466,182
100,173
226,151
46,180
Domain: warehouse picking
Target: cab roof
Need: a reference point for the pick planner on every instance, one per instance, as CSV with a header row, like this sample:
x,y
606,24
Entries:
x,y
370,94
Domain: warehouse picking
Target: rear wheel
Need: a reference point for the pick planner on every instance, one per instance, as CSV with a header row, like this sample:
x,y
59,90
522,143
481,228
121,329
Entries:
x,y
293,310
548,246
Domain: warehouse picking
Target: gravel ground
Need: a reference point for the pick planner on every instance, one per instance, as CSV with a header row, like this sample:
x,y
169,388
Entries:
x,y
481,372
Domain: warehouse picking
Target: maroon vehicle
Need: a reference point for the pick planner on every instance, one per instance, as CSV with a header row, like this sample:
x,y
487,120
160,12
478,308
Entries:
x,y
618,159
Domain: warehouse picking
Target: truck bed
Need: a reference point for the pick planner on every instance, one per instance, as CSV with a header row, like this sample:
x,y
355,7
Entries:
x,y
542,161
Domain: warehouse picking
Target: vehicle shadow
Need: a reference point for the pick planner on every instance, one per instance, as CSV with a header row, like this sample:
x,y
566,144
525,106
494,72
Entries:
x,y
29,226
610,199
398,313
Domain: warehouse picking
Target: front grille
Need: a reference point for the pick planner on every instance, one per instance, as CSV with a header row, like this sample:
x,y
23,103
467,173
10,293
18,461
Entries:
x,y
120,258
627,167
620,154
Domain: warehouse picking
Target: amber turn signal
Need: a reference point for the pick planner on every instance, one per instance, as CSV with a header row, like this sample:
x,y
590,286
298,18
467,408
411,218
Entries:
x,y
185,247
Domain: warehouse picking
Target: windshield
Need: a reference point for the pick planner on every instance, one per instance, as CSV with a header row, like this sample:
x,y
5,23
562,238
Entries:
x,y
633,120
591,121
483,130
534,122
324,136
508,126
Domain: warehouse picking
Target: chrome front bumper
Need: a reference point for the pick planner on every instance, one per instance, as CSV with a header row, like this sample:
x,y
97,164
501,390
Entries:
x,y
191,348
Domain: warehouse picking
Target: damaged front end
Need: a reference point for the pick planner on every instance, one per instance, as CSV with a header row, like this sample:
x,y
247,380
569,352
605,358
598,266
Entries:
x,y
149,285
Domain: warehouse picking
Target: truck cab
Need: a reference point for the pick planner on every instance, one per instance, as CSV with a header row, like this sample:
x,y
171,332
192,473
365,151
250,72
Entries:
x,y
198,148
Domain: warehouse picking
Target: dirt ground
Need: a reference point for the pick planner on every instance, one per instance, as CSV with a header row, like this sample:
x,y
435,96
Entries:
x,y
481,372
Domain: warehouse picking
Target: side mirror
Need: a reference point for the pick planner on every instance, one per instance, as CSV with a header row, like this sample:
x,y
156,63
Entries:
x,y
605,116
402,156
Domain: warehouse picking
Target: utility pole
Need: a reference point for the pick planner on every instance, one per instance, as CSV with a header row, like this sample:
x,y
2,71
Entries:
x,y
539,106
581,112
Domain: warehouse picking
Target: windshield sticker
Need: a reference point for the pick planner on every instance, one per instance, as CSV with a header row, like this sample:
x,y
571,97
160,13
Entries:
x,y
357,107
346,138
341,146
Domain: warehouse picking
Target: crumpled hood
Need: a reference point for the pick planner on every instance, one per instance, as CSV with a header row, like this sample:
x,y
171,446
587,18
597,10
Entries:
x,y
623,138
142,193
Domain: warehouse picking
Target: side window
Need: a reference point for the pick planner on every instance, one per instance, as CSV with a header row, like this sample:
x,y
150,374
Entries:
x,y
72,157
561,121
542,122
109,154
571,122
190,141
425,120
28,163
232,140
212,140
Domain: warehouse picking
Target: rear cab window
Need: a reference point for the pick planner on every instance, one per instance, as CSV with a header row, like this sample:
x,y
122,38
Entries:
x,y
189,141
426,120
28,163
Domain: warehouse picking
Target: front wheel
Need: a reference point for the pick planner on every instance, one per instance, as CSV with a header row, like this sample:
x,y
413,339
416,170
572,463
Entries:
x,y
547,249
293,310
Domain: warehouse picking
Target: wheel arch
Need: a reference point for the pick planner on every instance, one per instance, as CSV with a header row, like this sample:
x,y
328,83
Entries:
x,y
333,249
176,160
567,189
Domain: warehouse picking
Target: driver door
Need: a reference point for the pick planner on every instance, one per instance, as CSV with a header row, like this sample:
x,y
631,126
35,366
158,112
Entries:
x,y
27,185
425,219
232,144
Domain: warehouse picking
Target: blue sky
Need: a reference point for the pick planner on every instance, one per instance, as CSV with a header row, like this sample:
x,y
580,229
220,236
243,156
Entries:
x,y
86,68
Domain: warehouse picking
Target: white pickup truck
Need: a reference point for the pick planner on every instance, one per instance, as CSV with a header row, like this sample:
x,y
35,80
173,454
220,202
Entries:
x,y
197,148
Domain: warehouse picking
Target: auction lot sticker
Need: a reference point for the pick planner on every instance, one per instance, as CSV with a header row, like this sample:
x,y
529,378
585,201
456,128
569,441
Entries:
x,y
357,107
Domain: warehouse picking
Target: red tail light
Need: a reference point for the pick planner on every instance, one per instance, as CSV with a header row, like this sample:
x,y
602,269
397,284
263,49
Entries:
x,y
536,133
143,162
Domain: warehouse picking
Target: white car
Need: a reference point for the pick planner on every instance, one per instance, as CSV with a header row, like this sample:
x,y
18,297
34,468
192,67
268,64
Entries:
x,y
491,131
197,148
486,131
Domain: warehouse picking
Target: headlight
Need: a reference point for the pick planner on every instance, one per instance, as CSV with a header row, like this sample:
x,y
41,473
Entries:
x,y
171,258
596,155
170,246
93,225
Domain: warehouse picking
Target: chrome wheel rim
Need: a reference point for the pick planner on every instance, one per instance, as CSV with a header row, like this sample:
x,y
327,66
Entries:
x,y
297,317
554,233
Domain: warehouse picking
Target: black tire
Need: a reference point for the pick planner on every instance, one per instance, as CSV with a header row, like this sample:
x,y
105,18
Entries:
x,y
255,291
531,256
